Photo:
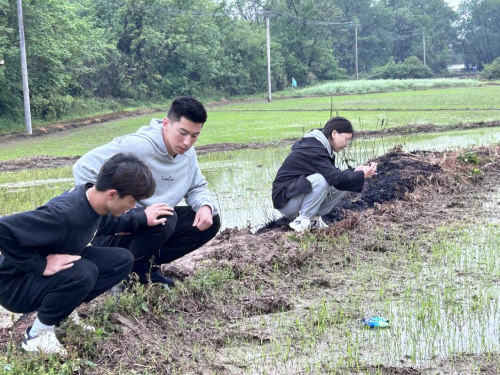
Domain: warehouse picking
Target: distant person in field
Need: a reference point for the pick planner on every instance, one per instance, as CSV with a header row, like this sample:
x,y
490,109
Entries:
x,y
308,184
166,147
47,264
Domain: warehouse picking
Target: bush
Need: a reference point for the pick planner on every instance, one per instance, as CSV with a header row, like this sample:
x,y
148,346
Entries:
x,y
492,71
412,67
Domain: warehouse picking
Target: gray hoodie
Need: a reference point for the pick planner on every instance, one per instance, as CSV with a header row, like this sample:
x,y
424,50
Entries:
x,y
318,134
176,177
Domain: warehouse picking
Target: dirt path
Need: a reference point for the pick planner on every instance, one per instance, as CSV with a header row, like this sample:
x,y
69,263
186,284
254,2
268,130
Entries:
x,y
54,162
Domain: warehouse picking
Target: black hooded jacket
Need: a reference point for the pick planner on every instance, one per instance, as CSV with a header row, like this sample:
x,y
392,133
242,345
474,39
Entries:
x,y
309,156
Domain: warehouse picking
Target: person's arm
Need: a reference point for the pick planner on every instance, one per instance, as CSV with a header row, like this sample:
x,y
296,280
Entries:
x,y
131,220
88,166
347,180
21,235
198,194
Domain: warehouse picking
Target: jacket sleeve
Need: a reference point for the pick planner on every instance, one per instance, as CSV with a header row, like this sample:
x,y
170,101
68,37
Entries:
x,y
198,194
88,166
347,180
22,234
129,222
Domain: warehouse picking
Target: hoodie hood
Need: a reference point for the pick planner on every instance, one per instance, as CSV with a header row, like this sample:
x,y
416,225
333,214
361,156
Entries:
x,y
153,133
318,134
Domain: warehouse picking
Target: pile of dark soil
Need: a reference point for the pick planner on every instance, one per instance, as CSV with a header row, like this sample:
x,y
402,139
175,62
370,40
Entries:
x,y
399,173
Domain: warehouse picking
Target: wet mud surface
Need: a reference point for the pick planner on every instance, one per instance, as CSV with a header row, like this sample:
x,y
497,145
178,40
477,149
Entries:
x,y
54,162
37,162
413,192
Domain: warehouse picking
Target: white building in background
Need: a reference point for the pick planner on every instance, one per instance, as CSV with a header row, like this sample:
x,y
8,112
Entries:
x,y
456,68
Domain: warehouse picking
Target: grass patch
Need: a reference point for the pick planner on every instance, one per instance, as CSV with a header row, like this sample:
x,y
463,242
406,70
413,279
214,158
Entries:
x,y
367,86
226,126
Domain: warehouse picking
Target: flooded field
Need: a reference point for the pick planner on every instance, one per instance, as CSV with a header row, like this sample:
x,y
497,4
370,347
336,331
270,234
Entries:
x,y
240,180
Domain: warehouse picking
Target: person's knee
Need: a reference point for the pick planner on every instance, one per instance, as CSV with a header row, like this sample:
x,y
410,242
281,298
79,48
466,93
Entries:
x,y
124,259
83,274
215,224
167,228
318,182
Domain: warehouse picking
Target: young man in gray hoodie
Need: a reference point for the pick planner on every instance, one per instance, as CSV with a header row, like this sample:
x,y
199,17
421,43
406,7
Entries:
x,y
165,146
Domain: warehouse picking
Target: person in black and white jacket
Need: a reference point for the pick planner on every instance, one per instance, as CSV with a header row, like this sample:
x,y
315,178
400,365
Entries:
x,y
309,184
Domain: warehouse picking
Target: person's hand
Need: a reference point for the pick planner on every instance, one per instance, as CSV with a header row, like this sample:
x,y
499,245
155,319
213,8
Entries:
x,y
155,210
203,219
368,170
59,262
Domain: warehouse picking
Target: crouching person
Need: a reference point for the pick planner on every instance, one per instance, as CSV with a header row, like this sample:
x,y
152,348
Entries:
x,y
47,264
308,184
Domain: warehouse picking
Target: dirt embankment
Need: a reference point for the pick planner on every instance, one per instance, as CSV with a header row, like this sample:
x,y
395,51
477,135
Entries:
x,y
72,124
402,179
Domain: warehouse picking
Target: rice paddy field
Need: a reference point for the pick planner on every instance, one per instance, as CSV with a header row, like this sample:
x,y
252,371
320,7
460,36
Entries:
x,y
260,299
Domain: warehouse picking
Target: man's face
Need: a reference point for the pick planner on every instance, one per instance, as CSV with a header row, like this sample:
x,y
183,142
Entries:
x,y
117,206
180,136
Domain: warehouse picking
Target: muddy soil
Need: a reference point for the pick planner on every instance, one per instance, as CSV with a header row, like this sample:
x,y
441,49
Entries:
x,y
37,162
413,192
72,124
53,161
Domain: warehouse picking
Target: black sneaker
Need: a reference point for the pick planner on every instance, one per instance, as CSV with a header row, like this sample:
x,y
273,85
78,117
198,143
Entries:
x,y
155,277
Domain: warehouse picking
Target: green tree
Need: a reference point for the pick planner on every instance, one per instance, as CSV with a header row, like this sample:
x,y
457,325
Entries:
x,y
479,31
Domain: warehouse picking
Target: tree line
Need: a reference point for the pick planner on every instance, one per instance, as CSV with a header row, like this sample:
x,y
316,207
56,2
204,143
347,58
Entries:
x,y
156,49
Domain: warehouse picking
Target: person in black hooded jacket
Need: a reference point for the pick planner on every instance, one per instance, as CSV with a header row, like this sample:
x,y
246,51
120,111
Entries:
x,y
308,184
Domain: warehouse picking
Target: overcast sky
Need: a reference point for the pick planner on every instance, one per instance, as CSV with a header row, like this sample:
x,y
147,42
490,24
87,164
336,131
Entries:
x,y
453,3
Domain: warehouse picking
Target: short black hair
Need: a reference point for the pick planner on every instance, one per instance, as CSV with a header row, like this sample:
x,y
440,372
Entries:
x,y
340,124
187,107
128,175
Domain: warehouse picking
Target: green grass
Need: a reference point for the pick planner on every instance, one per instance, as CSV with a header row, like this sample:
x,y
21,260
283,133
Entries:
x,y
483,97
226,126
366,86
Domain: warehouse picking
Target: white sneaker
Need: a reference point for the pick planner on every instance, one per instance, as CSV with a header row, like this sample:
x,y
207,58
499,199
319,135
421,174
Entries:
x,y
46,342
300,224
317,222
75,318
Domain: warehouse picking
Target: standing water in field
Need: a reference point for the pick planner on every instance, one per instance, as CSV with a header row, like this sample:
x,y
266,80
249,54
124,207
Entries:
x,y
240,180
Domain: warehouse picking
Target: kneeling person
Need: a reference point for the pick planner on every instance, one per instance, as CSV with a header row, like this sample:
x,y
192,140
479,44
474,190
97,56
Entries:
x,y
46,262
308,184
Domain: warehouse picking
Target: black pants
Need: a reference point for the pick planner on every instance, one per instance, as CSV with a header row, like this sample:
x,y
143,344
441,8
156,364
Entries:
x,y
165,243
56,296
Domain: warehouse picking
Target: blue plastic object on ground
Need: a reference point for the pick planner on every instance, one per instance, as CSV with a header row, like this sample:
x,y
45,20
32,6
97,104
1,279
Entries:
x,y
376,322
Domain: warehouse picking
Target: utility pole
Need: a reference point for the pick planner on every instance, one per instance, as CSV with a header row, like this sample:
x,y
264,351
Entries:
x,y
268,60
24,67
423,35
356,49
